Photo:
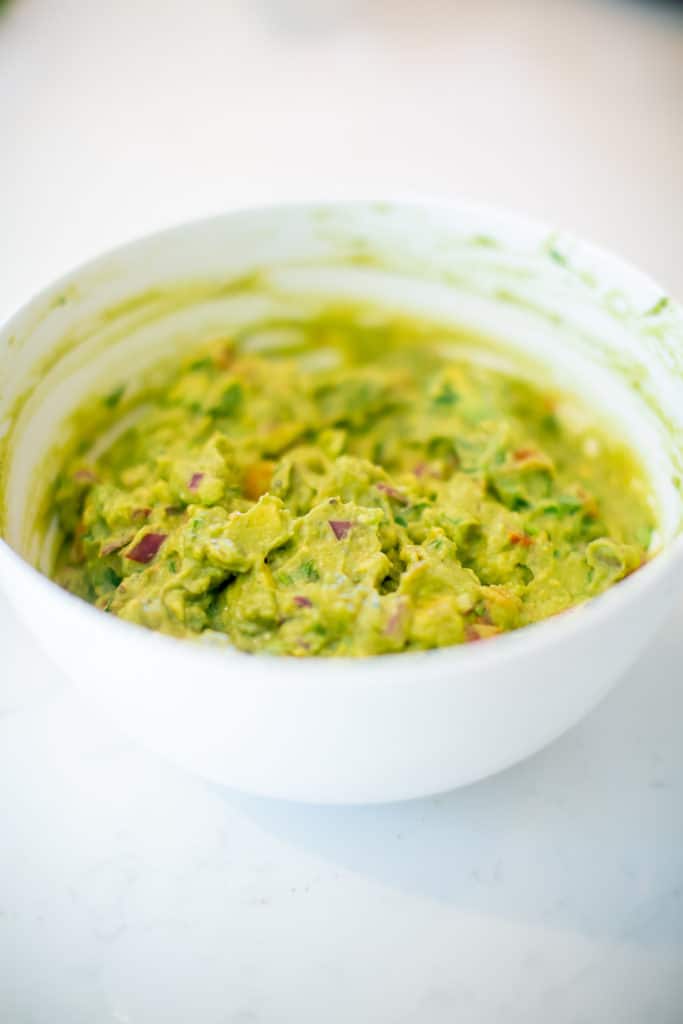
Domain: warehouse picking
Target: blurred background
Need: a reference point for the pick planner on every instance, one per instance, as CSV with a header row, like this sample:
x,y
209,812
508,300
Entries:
x,y
117,118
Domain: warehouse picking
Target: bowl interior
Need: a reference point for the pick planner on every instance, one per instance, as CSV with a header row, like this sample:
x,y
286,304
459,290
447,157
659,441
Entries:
x,y
591,323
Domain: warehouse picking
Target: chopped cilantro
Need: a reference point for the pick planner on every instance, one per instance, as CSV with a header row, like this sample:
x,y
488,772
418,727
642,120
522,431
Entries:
x,y
308,571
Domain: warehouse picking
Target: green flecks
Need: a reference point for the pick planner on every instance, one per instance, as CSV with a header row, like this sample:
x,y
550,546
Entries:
x,y
114,397
361,254
567,504
202,364
253,281
484,241
557,256
446,397
554,247
514,299
658,307
550,423
230,400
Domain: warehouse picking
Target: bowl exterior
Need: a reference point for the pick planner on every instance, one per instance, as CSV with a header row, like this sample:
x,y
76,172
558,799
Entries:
x,y
375,730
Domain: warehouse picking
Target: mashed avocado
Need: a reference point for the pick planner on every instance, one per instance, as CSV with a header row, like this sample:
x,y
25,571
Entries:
x,y
345,486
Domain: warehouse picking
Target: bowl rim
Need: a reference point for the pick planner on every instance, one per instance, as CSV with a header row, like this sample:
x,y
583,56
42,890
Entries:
x,y
466,657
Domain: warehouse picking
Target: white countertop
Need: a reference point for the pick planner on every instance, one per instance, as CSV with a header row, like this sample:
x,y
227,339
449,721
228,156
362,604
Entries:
x,y
132,893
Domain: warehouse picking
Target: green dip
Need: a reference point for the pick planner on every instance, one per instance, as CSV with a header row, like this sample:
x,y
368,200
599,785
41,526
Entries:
x,y
349,485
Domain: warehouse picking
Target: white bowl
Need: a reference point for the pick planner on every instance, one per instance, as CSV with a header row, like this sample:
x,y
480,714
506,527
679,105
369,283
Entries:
x,y
373,729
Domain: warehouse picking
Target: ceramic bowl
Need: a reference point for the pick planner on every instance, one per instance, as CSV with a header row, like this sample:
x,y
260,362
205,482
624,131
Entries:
x,y
338,730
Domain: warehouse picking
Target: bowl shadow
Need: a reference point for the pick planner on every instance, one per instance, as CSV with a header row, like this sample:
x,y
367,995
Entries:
x,y
586,835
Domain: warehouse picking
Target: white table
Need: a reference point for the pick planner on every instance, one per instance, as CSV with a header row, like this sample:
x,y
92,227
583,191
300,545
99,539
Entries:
x,y
132,893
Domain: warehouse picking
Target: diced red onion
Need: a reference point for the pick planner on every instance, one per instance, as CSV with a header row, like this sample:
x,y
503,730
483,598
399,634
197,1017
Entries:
x,y
340,527
146,548
391,492
195,481
302,602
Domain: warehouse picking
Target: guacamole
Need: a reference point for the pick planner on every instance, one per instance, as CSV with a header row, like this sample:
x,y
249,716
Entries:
x,y
349,485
